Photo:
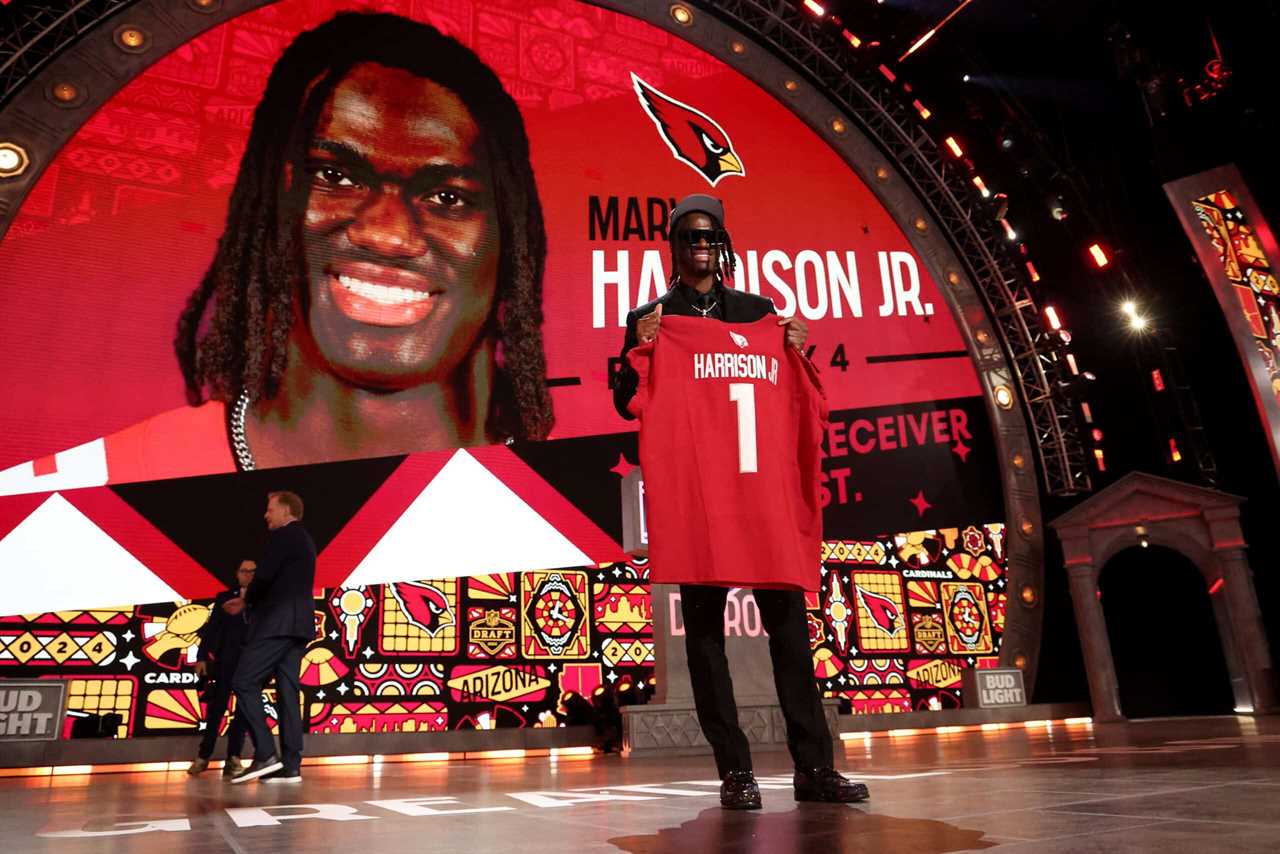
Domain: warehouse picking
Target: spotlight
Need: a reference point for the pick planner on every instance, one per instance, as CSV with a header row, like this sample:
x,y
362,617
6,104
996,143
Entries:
x,y
954,146
1137,323
1129,307
982,187
1009,233
1141,532
815,7
966,78
1051,315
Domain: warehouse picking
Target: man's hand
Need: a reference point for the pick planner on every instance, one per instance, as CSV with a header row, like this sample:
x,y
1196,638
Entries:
x,y
647,326
797,331
233,606
202,668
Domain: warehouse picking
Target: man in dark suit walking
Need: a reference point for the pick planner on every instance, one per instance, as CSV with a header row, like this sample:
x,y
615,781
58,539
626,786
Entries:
x,y
217,658
703,262
281,622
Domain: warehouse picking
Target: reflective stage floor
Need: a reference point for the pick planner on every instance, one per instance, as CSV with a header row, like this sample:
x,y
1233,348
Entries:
x,y
1190,785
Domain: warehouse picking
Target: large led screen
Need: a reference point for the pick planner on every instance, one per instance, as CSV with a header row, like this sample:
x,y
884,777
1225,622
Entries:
x,y
305,238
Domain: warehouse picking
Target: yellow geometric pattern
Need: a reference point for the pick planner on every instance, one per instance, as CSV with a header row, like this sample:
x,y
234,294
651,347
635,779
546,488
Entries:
x,y
636,652
853,551
889,633
76,647
399,634
103,696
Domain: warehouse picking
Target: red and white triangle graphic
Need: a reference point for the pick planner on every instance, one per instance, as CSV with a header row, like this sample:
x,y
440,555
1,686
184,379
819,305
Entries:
x,y
461,513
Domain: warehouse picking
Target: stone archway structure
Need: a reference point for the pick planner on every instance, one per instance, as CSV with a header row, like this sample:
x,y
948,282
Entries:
x,y
1202,524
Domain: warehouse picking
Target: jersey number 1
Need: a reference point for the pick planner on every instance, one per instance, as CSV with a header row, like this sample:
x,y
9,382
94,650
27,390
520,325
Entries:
x,y
744,395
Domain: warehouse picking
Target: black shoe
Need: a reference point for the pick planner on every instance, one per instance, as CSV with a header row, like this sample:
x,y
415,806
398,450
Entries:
x,y
284,775
259,768
738,791
828,785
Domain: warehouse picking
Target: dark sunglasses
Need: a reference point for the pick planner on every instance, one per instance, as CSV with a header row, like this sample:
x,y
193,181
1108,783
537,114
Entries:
x,y
710,236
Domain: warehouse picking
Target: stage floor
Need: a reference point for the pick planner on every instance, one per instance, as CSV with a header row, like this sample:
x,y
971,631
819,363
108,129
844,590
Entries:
x,y
1190,785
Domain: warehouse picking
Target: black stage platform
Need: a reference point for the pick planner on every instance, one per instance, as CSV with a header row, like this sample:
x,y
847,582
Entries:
x,y
1190,785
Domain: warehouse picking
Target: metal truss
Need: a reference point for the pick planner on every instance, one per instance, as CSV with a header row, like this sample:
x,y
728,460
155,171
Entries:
x,y
32,32
943,187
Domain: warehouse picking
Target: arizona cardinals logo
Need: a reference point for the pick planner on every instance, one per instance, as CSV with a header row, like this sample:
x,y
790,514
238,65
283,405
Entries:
x,y
882,610
694,138
740,340
423,605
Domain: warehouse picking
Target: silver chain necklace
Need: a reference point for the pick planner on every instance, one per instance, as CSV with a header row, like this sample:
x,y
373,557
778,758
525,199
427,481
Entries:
x,y
239,439
705,311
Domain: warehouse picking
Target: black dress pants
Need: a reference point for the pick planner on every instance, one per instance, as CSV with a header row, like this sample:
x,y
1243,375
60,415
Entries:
x,y
261,659
219,697
783,614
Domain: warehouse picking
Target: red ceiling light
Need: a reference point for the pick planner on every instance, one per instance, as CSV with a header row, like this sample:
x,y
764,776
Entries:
x,y
815,7
1217,585
982,186
1031,270
1097,434
1008,229
888,75
1174,454
1100,459
921,109
1157,380
851,38
1099,255
954,146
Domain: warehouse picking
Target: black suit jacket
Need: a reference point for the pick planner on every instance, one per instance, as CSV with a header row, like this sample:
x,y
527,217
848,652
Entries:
x,y
738,307
280,595
223,635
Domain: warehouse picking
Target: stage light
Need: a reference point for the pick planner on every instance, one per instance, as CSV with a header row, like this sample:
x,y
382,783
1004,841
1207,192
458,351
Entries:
x,y
982,187
921,109
1137,323
1071,363
815,7
851,38
681,14
1009,233
1057,207
1217,585
13,160
1174,454
1001,203
1028,595
1003,396
1087,412
1129,307
1099,255
919,43
1157,380
1100,459
1031,271
888,74
1097,434
966,78
1051,315
954,146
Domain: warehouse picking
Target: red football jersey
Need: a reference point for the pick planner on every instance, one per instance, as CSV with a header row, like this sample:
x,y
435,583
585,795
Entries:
x,y
731,421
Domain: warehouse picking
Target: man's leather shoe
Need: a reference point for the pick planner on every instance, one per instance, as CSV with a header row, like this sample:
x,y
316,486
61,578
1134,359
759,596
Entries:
x,y
259,768
828,785
738,791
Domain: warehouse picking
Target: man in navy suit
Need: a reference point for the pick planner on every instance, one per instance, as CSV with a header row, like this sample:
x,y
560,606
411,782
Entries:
x,y
281,622
220,641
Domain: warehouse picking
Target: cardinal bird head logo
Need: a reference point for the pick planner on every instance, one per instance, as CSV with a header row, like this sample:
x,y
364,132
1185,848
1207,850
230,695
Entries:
x,y
740,340
882,610
694,138
423,605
